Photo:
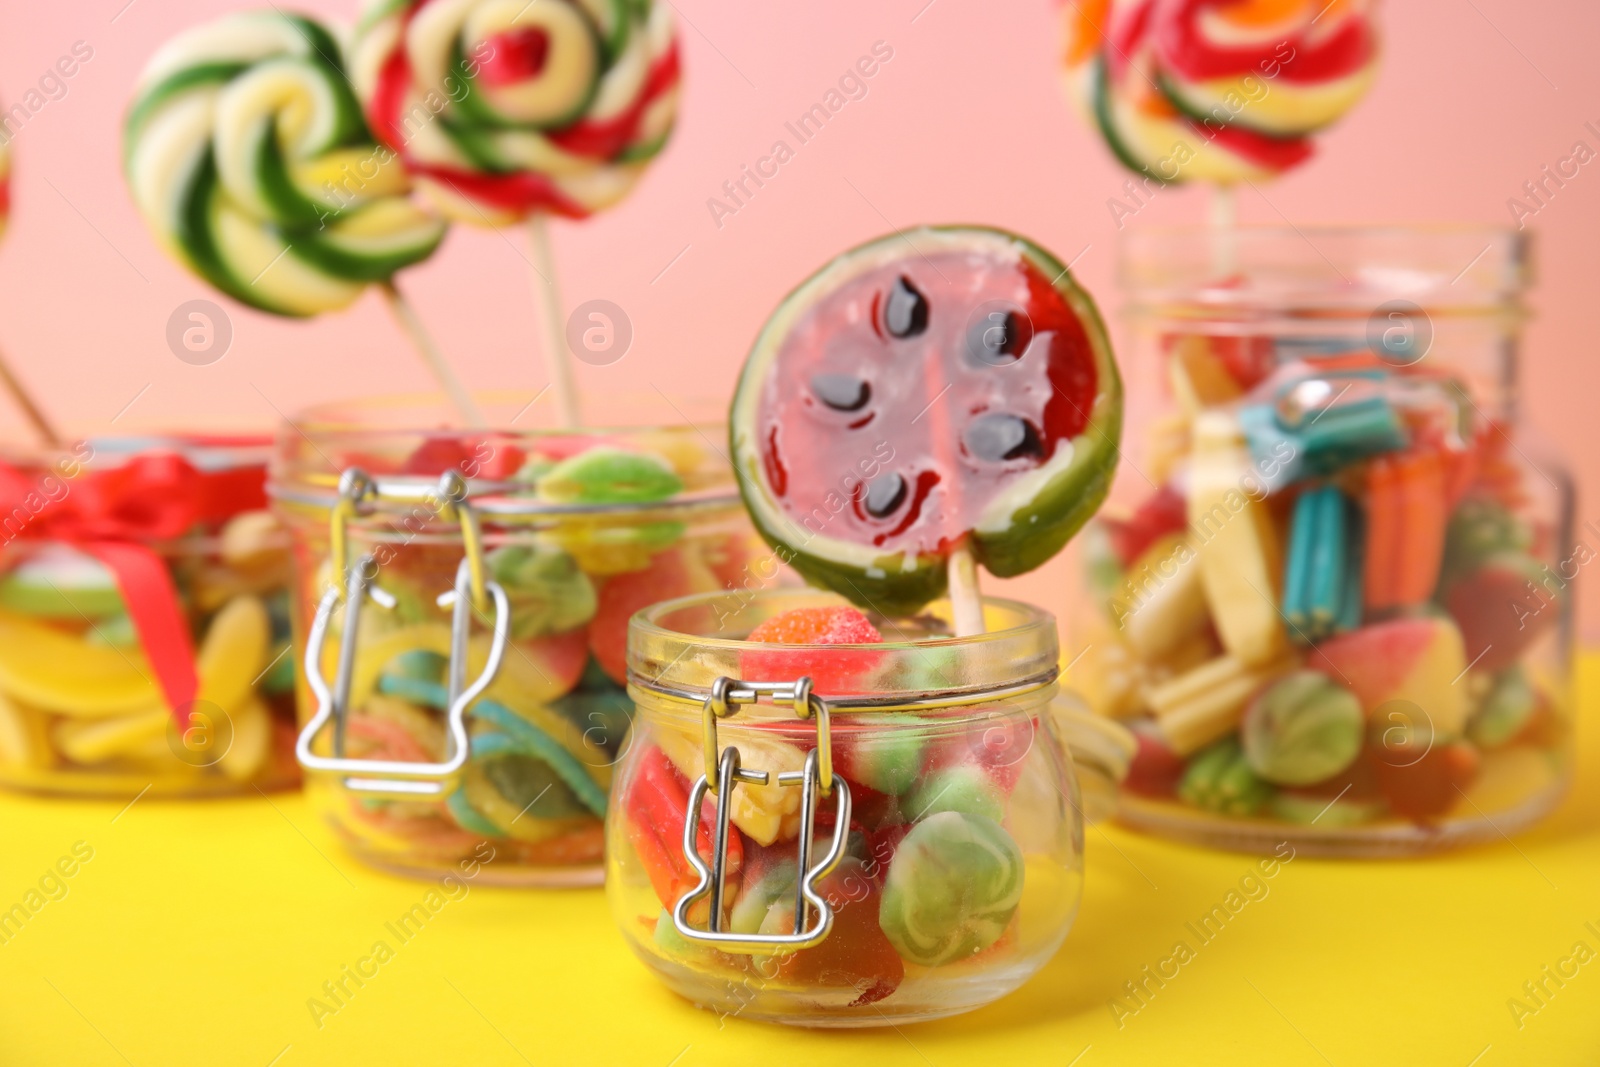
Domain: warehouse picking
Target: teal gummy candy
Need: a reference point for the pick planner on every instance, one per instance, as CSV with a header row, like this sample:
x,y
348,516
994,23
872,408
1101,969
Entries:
x,y
1322,587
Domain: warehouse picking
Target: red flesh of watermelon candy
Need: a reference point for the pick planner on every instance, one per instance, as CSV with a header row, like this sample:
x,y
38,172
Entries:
x,y
958,428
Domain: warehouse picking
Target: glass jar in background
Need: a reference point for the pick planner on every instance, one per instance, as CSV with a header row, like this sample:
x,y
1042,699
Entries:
x,y
144,622
555,538
1332,591
946,844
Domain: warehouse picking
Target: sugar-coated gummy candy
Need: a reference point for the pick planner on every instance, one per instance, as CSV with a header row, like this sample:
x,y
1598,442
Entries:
x,y
952,888
1303,728
885,756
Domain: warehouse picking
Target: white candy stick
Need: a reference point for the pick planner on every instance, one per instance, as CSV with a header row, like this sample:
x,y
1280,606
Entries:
x,y
406,316
548,293
966,601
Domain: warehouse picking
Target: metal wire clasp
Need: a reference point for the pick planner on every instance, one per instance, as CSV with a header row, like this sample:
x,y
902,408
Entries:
x,y
356,585
813,915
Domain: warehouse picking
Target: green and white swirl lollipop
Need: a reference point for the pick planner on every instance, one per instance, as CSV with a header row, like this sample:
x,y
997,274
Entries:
x,y
247,154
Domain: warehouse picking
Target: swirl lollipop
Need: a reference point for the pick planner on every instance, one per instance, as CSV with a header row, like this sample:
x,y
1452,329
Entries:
x,y
247,155
1217,90
505,110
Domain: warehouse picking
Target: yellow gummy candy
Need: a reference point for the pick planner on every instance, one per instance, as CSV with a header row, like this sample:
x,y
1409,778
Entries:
x,y
55,671
233,653
24,736
764,812
252,741
96,740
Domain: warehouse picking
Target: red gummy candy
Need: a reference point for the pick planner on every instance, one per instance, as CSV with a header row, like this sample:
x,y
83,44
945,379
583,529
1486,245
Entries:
x,y
832,673
1164,513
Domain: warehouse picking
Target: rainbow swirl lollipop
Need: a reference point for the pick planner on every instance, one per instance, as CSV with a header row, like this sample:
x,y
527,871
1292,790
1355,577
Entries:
x,y
505,108
1217,90
247,155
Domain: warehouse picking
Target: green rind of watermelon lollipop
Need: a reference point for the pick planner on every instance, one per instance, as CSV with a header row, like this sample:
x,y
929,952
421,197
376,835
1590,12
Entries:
x,y
943,388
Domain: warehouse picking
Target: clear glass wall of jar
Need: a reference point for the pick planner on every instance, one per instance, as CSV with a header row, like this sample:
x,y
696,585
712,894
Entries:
x,y
1332,591
953,816
578,529
144,623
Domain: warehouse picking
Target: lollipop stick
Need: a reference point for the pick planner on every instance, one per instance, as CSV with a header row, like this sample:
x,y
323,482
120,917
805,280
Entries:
x,y
406,315
1224,220
548,294
966,602
33,413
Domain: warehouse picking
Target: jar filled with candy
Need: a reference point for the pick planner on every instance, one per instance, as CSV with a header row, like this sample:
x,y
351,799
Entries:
x,y
1333,592
819,827
144,622
462,602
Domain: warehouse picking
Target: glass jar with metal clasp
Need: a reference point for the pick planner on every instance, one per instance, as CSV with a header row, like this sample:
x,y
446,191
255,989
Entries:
x,y
463,598
843,835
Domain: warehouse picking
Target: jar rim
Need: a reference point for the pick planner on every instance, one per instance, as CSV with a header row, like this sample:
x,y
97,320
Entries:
x,y
1007,661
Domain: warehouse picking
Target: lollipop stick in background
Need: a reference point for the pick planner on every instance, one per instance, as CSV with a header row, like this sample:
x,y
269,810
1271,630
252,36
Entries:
x,y
406,316
547,292
34,414
966,600
1224,221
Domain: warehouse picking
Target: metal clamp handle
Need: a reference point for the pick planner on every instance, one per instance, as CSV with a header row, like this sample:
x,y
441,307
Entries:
x,y
813,915
397,778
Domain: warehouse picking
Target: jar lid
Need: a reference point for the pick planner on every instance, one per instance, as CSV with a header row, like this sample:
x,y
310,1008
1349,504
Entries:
x,y
679,648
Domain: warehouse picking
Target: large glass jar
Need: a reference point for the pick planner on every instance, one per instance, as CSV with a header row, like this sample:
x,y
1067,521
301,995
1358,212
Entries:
x,y
144,624
1332,591
475,709
921,782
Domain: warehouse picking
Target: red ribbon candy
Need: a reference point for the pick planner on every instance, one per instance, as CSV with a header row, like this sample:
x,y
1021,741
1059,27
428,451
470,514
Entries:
x,y
116,514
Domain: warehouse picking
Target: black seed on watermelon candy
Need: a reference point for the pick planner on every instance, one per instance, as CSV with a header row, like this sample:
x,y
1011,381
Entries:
x,y
841,392
999,437
983,412
905,312
884,495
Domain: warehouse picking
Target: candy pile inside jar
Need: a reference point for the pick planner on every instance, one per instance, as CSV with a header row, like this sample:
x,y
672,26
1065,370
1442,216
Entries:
x,y
1334,607
942,806
144,622
580,531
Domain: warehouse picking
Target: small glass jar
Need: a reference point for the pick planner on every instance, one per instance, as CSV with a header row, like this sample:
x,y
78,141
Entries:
x,y
475,708
920,782
144,622
1332,589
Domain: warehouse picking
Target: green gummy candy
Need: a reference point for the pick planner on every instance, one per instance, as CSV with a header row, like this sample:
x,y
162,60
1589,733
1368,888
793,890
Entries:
x,y
418,665
59,582
280,676
547,591
1505,710
117,631
609,476
1327,812
890,762
953,885
967,789
529,784
1220,779
757,897
1302,729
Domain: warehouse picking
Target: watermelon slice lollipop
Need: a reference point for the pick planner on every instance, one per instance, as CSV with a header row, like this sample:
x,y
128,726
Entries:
x,y
948,390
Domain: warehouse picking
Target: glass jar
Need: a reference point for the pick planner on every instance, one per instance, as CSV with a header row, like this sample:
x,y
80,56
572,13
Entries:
x,y
920,782
1332,590
474,708
144,624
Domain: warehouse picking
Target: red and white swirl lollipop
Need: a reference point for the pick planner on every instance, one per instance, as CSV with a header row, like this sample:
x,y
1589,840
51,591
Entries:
x,y
505,110
1217,90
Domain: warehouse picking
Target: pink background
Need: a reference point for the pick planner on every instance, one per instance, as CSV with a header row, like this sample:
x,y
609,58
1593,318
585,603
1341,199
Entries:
x,y
965,123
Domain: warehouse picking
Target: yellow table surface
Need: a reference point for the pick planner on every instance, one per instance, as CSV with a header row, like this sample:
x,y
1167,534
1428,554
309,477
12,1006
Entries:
x,y
198,932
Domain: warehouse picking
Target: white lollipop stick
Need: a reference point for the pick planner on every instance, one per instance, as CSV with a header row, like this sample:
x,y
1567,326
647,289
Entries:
x,y
406,316
966,600
548,293
1224,220
34,414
